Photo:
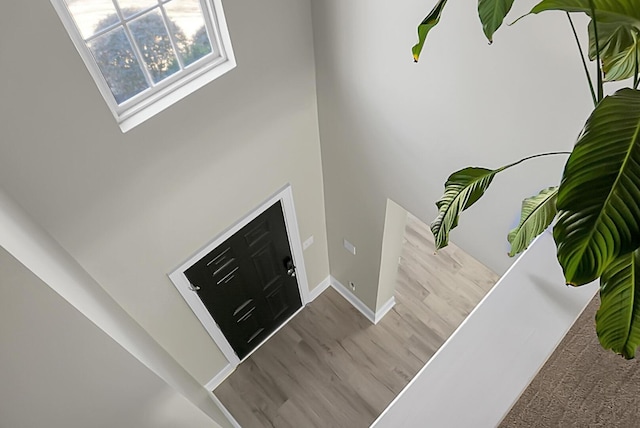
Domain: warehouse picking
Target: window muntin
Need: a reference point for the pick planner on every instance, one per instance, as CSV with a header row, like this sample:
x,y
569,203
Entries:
x,y
142,51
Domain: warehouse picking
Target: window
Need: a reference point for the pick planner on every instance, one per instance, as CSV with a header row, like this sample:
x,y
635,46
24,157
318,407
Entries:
x,y
148,54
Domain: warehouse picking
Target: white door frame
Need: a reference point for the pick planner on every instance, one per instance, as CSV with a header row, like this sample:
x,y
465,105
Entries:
x,y
177,276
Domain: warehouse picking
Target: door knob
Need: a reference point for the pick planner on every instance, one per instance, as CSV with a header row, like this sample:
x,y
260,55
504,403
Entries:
x,y
291,268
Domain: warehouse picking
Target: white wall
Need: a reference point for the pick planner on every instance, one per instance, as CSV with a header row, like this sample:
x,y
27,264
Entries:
x,y
43,256
479,373
131,207
61,371
392,239
394,129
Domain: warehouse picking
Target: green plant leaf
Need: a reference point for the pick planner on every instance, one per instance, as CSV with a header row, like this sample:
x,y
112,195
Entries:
x,y
492,13
613,37
426,25
619,47
599,214
618,22
462,189
623,64
618,319
606,11
537,214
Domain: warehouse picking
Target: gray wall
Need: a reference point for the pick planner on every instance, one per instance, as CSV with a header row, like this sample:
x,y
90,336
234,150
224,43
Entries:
x,y
61,371
394,129
131,207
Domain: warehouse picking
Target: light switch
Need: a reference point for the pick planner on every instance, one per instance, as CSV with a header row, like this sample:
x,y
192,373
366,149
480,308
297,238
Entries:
x,y
306,244
350,247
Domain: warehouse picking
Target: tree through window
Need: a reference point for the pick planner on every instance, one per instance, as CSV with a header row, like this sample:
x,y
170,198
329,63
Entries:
x,y
142,47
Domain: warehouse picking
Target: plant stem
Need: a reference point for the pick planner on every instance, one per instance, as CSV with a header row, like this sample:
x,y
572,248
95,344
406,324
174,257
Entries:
x,y
584,62
595,33
539,155
636,78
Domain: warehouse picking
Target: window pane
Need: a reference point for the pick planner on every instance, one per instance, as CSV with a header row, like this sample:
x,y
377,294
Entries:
x,y
92,15
155,46
131,7
189,29
114,55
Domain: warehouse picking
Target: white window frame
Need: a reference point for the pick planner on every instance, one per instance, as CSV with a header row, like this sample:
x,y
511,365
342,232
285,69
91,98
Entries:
x,y
138,109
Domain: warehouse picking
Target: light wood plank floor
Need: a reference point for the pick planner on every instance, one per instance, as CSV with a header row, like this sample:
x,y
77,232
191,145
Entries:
x,y
330,367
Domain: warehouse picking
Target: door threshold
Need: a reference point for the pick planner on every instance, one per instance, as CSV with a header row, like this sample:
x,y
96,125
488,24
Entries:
x,y
270,336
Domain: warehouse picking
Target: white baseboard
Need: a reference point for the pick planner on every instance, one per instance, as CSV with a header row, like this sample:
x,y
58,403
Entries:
x,y
313,294
219,378
380,313
360,306
226,371
224,411
351,298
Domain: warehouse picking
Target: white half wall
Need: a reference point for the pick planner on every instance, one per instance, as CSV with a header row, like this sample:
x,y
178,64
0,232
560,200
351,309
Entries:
x,y
479,373
32,246
59,370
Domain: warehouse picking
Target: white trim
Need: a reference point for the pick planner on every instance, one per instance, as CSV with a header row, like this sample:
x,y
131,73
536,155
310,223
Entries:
x,y
219,378
374,317
272,334
295,242
380,313
130,119
225,411
285,196
228,369
351,298
313,294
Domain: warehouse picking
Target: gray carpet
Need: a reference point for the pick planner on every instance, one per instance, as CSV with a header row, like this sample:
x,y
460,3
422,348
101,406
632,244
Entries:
x,y
581,385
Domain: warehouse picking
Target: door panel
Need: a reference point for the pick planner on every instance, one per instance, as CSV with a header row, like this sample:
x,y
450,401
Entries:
x,y
266,265
278,302
244,282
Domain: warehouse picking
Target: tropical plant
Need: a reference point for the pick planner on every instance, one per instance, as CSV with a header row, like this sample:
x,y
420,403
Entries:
x,y
595,210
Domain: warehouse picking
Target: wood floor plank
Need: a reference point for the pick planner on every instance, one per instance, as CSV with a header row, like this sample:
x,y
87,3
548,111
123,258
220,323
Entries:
x,y
330,367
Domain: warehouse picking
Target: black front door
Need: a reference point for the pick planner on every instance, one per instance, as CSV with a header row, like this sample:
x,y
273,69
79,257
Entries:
x,y
248,283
